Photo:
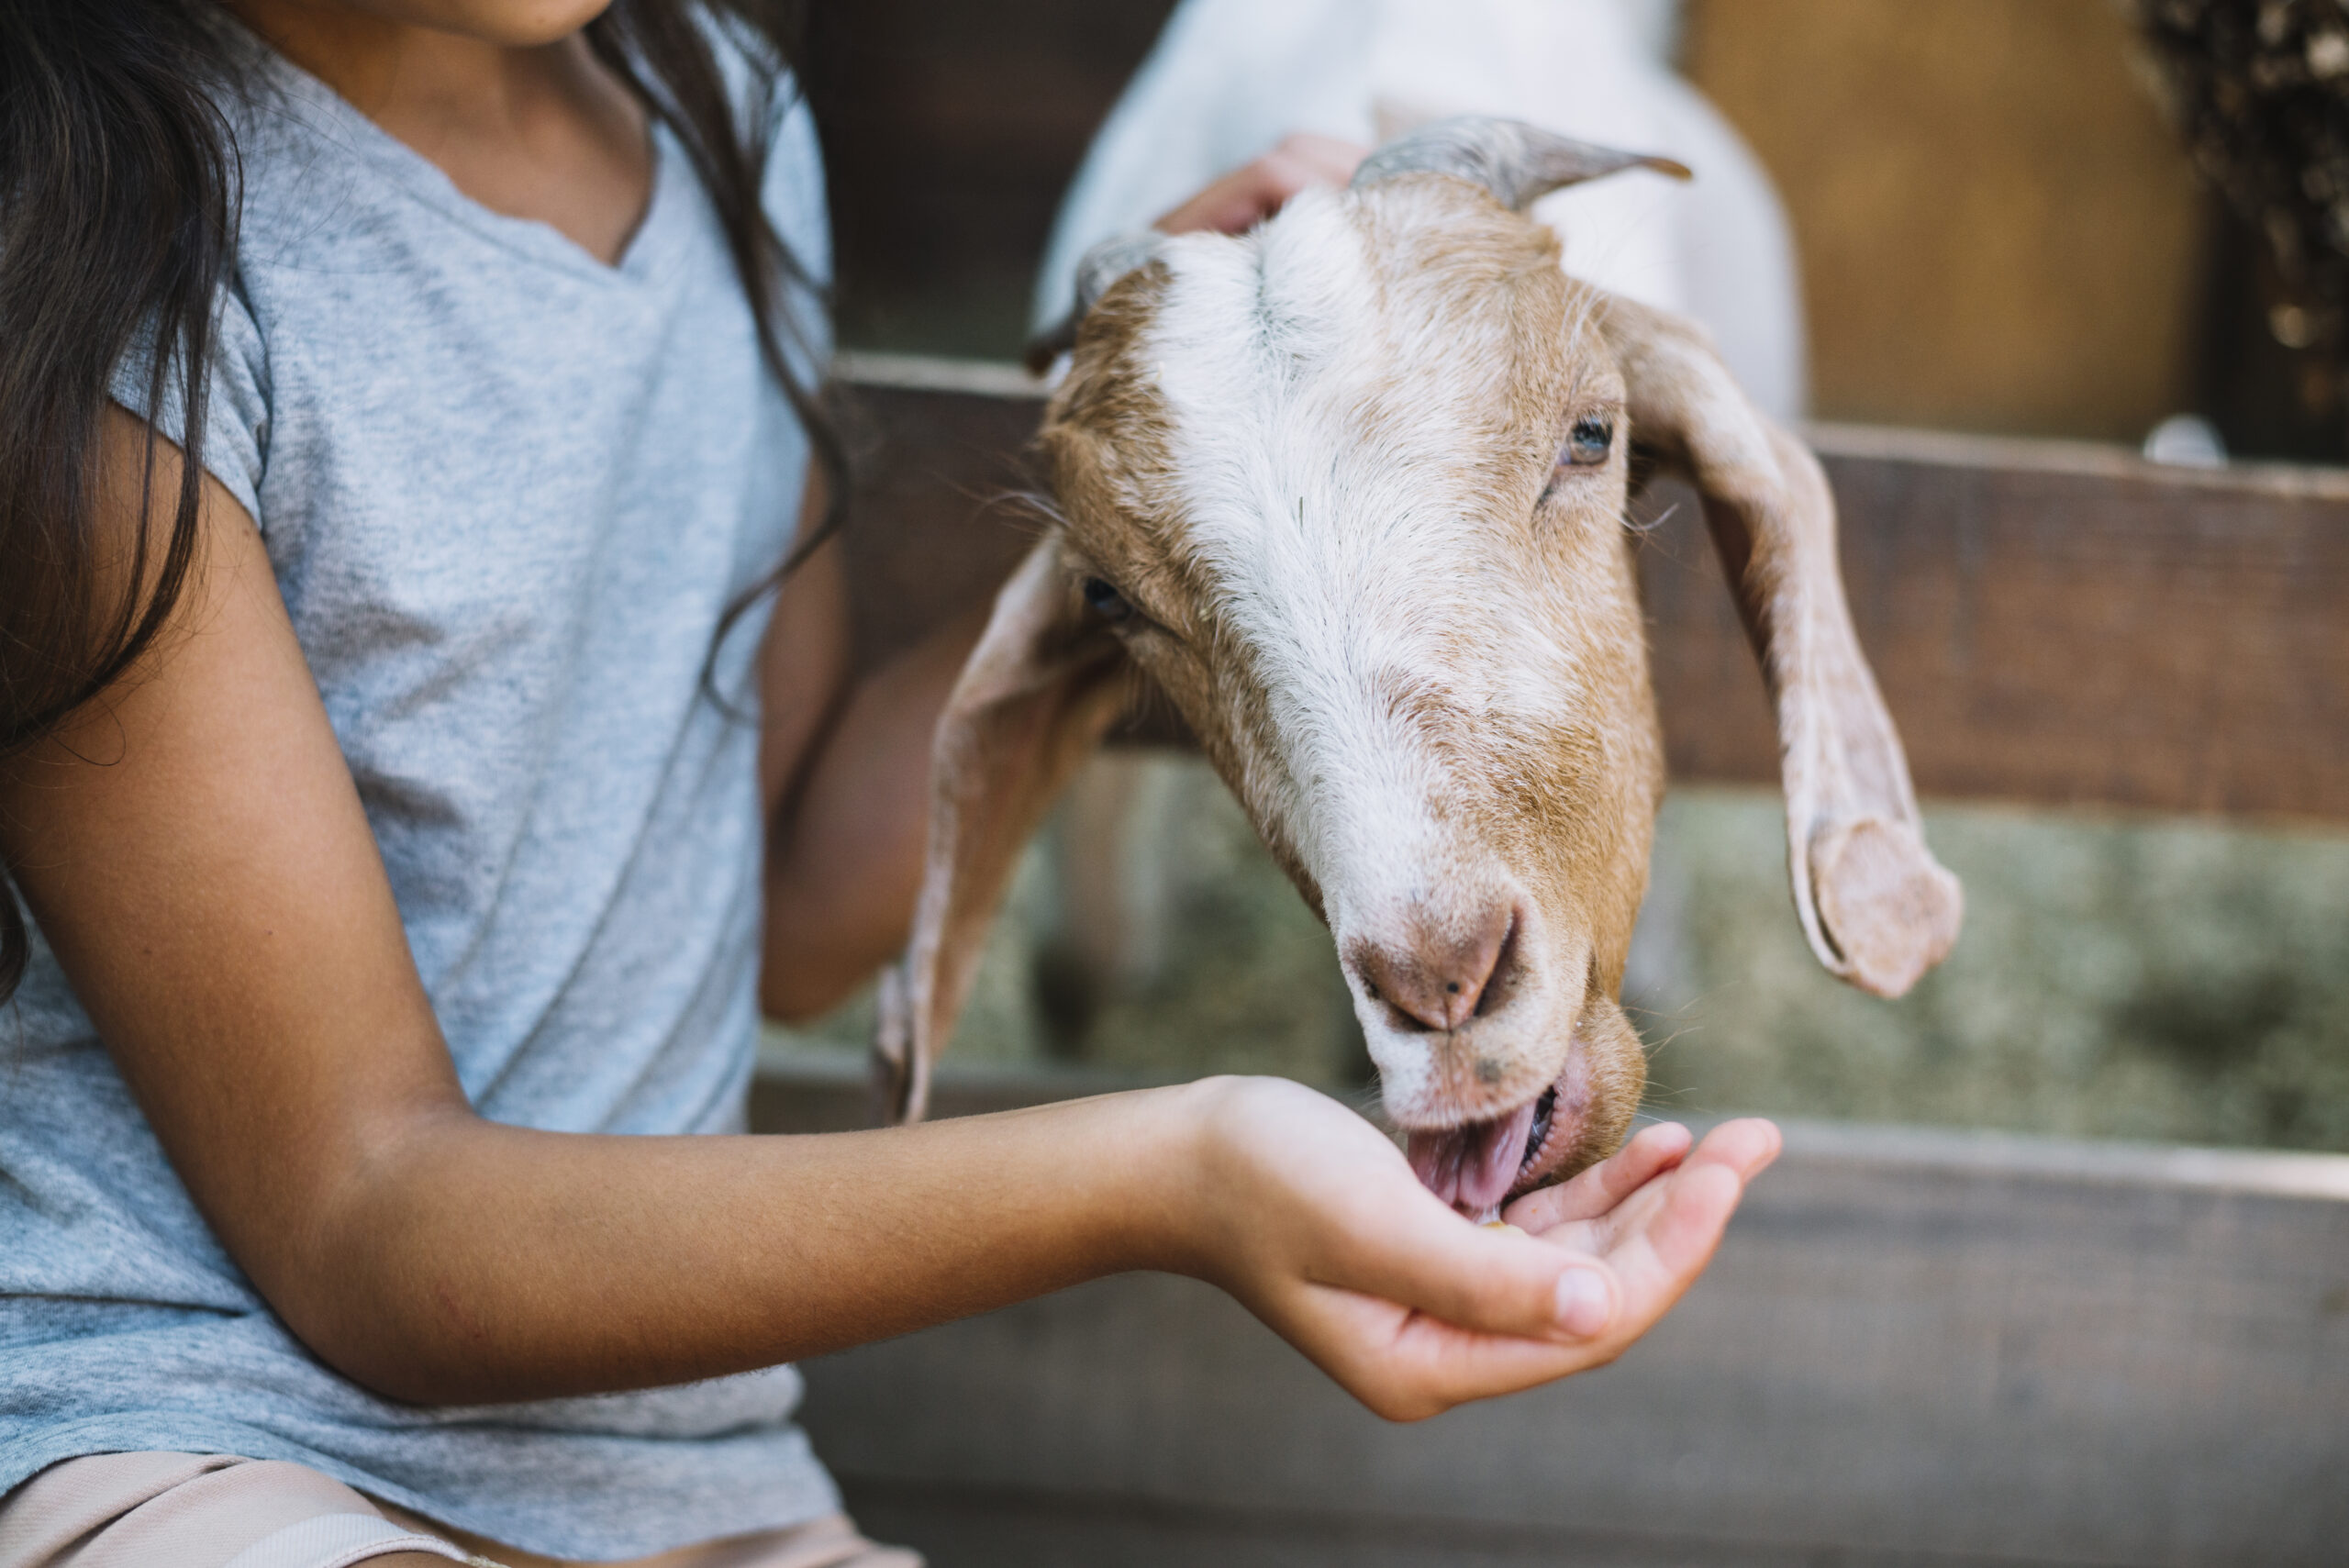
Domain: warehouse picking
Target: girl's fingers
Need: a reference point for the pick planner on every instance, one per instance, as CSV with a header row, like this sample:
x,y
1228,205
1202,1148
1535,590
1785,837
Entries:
x,y
1596,1191
1407,1365
1417,1253
1706,1189
1320,160
1414,1309
1256,191
1463,1341
1660,1258
1686,1231
1658,1202
1658,1238
1746,1146
1590,1211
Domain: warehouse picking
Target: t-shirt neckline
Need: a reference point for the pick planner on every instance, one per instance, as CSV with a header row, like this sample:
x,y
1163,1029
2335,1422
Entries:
x,y
418,177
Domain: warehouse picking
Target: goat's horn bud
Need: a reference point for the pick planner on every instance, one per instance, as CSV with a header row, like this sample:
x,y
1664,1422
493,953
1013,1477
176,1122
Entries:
x,y
1111,260
1095,275
1519,163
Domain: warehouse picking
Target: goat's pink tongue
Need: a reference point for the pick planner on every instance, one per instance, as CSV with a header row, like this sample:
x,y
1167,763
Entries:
x,y
1472,1167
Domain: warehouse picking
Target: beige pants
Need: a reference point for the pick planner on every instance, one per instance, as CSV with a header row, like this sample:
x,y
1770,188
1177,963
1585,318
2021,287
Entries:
x,y
186,1510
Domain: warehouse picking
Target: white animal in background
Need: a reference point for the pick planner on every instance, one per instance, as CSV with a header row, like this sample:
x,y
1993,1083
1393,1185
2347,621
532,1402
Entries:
x,y
1229,78
1350,490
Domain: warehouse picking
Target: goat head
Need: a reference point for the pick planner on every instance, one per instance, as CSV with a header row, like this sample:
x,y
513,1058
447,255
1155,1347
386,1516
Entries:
x,y
1351,490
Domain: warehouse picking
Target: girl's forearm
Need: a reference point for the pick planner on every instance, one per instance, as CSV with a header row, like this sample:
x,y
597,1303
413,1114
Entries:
x,y
476,1262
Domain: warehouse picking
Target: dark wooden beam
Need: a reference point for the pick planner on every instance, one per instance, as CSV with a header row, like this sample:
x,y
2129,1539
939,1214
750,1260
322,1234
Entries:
x,y
2052,623
949,131
937,522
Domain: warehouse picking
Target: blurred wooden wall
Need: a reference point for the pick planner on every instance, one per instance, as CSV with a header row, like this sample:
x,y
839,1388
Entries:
x,y
1997,230
951,128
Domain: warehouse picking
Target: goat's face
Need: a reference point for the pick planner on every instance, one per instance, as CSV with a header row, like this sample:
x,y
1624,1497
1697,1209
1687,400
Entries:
x,y
1352,489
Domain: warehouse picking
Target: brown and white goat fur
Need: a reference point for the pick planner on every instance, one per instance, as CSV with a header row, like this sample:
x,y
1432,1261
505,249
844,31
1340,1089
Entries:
x,y
1350,489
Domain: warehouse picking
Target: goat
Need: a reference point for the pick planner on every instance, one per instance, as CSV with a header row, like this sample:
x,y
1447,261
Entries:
x,y
1350,490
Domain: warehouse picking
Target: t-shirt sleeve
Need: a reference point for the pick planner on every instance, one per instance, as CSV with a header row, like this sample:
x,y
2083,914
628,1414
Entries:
x,y
235,428
794,197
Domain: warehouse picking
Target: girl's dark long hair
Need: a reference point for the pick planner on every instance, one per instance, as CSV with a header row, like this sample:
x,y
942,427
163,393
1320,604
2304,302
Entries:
x,y
120,191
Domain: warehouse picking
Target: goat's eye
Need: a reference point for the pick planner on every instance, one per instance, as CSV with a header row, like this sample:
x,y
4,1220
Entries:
x,y
1589,441
1102,596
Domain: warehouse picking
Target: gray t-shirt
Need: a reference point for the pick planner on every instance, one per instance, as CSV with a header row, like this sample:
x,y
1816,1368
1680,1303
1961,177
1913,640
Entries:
x,y
507,491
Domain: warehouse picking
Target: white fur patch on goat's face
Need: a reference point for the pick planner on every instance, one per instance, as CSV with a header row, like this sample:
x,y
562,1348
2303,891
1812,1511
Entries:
x,y
1324,462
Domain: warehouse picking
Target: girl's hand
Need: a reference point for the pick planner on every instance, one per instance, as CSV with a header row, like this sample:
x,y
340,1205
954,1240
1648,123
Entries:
x,y
1314,1222
1248,195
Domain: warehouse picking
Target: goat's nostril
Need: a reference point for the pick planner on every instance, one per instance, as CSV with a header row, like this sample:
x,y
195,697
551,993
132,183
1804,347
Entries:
x,y
1440,978
1502,977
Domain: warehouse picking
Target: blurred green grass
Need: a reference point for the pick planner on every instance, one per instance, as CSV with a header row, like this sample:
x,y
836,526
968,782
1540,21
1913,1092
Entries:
x,y
2157,979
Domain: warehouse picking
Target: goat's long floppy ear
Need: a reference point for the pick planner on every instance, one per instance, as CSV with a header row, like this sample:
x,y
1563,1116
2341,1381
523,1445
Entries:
x,y
1034,698
1878,909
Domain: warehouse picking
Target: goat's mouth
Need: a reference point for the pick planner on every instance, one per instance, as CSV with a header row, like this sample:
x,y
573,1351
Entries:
x,y
1481,1165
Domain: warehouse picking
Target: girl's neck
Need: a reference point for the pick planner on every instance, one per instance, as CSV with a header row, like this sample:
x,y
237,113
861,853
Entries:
x,y
539,130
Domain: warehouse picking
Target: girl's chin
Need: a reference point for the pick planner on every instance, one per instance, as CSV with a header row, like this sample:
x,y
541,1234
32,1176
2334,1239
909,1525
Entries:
x,y
510,24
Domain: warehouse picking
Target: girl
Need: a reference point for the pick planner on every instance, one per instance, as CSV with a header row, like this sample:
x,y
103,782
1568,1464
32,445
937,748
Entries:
x,y
403,409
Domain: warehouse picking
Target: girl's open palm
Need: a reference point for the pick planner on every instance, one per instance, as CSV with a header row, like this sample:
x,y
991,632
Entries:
x,y
1414,1309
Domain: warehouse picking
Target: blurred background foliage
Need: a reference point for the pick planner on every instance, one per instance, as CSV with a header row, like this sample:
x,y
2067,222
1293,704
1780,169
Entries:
x,y
2000,232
